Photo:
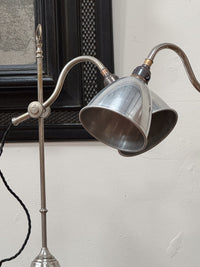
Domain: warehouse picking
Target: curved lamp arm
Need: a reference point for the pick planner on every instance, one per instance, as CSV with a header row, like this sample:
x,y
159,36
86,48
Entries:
x,y
104,71
66,70
182,55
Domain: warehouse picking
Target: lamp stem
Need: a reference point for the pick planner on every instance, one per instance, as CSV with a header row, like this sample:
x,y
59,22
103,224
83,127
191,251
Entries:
x,y
45,258
43,209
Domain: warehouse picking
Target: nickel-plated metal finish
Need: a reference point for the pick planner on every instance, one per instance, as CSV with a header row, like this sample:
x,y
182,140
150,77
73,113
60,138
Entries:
x,y
16,121
105,72
120,115
38,37
46,112
183,57
35,109
110,78
163,122
45,259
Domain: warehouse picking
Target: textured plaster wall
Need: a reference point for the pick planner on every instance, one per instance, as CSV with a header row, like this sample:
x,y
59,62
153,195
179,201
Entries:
x,y
106,210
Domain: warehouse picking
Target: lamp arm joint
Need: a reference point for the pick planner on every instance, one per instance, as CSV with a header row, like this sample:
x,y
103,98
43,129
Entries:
x,y
108,77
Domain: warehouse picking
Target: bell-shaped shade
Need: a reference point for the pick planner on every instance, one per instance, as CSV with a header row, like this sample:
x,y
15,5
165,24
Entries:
x,y
162,123
120,115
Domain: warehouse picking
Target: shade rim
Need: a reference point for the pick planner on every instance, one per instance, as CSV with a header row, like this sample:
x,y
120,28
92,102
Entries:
x,y
138,127
132,154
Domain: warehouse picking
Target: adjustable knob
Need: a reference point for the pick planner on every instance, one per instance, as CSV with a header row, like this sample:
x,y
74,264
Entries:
x,y
35,109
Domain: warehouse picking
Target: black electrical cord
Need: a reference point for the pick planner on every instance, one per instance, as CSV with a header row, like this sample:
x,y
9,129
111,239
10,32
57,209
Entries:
x,y
4,138
18,199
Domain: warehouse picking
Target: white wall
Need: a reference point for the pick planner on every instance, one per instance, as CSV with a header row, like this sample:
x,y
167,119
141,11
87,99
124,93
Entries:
x,y
106,210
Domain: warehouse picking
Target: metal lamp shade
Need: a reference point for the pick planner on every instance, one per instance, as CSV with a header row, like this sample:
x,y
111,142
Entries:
x,y
163,121
120,115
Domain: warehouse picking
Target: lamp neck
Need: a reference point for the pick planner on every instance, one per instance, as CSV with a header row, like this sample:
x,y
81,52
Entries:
x,y
150,58
103,70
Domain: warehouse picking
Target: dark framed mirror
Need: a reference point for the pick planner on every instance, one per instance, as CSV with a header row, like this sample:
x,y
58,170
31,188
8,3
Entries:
x,y
70,28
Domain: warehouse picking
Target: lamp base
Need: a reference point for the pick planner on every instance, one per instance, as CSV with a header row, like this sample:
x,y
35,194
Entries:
x,y
45,259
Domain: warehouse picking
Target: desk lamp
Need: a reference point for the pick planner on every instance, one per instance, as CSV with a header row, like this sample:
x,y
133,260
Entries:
x,y
124,115
40,110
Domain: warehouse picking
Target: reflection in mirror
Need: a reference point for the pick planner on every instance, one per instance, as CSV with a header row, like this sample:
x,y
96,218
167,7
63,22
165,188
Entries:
x,y
17,21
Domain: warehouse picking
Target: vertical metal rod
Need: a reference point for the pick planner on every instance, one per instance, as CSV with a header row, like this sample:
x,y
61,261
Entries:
x,y
45,258
43,209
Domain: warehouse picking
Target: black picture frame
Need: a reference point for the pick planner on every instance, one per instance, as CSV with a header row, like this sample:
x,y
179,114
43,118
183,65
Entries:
x,y
70,28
